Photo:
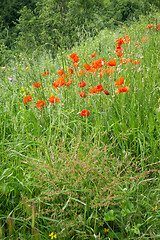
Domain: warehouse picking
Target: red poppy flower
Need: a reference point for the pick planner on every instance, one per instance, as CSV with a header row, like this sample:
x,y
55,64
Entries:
x,y
44,74
98,63
93,90
53,99
126,39
87,66
82,84
119,82
75,65
106,92
99,88
82,94
125,60
73,55
119,54
111,63
136,62
149,26
84,112
137,45
40,104
123,89
158,27
69,82
60,72
93,55
81,72
110,71
144,39
120,41
70,70
119,49
27,98
75,59
37,84
102,72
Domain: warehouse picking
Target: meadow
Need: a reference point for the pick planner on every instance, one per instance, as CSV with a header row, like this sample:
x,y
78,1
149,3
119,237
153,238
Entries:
x,y
79,139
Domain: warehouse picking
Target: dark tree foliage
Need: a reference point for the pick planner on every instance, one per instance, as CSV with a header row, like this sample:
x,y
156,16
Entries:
x,y
53,24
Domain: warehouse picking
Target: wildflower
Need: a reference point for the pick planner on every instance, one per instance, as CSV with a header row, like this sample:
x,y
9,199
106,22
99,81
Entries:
x,y
144,39
93,55
11,78
99,88
37,84
53,235
158,27
125,60
69,82
74,57
53,99
98,63
84,112
137,45
120,41
106,92
87,66
93,90
106,230
44,74
81,72
111,63
27,98
155,208
149,26
110,71
61,72
119,54
82,94
119,82
101,72
82,84
40,103
136,62
126,39
123,89
70,70
75,65
119,49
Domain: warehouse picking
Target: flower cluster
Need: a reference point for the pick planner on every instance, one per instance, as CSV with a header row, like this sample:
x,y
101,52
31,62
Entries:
x,y
95,68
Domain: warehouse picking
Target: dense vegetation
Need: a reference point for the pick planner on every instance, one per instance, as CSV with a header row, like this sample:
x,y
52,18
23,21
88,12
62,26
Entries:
x,y
52,24
80,120
79,145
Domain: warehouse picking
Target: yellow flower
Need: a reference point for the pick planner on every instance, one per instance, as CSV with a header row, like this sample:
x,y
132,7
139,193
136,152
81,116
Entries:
x,y
53,236
106,230
19,55
154,208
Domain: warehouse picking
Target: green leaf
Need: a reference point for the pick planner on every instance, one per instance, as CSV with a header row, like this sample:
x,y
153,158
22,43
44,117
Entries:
x,y
109,216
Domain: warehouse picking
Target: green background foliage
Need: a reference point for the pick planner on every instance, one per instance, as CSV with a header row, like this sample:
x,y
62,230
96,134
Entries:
x,y
52,24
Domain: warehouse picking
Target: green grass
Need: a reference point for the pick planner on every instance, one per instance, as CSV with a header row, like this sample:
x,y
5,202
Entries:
x,y
82,177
